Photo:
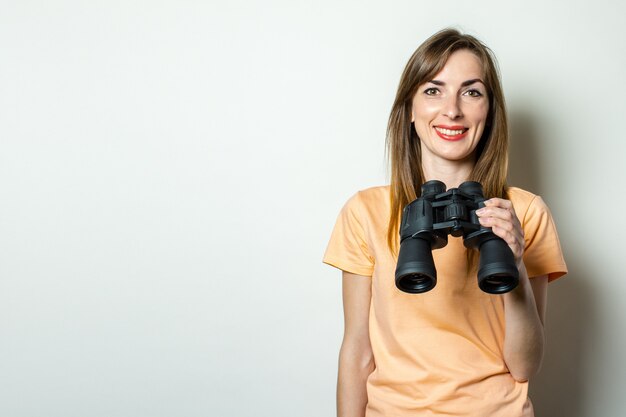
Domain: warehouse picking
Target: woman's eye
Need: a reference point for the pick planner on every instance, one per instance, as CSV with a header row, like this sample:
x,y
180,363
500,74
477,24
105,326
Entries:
x,y
473,93
431,91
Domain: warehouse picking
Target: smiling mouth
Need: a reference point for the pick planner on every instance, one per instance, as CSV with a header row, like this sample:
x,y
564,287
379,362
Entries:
x,y
451,134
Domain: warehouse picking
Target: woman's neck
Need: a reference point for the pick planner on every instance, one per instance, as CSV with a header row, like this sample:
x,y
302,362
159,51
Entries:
x,y
451,173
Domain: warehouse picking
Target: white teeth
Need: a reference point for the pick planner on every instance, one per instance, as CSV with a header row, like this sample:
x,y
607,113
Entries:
x,y
449,132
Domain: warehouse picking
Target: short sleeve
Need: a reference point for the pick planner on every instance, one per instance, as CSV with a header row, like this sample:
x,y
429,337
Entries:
x,y
542,252
348,248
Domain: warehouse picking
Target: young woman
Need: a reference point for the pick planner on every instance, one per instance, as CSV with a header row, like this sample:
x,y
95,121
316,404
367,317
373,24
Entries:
x,y
455,350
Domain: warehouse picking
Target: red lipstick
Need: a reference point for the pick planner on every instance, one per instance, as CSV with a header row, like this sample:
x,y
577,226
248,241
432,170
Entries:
x,y
451,133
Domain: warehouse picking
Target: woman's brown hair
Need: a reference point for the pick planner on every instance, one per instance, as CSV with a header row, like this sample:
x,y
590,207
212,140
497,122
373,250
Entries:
x,y
403,144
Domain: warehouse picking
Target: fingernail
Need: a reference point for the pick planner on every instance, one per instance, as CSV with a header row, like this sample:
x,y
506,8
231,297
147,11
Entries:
x,y
480,211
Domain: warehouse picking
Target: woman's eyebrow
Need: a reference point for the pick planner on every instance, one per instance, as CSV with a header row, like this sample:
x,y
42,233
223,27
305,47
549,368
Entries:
x,y
463,84
470,82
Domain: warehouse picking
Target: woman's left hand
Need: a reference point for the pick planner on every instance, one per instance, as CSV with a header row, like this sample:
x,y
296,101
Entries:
x,y
499,215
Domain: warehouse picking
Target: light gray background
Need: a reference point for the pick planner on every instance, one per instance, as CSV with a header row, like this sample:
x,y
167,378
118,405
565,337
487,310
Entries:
x,y
170,172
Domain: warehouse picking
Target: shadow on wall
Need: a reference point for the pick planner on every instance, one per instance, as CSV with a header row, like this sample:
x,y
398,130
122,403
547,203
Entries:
x,y
559,388
524,171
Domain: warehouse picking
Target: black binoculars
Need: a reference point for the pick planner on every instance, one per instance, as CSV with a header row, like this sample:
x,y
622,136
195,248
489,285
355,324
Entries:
x,y
426,223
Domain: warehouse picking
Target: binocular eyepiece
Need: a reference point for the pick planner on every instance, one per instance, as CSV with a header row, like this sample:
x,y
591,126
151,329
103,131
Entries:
x,y
426,224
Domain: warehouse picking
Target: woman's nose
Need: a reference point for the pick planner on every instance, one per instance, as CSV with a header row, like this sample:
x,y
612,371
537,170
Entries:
x,y
452,108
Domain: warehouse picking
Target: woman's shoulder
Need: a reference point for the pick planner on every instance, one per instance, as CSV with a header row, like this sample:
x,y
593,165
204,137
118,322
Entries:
x,y
525,202
374,195
519,194
371,203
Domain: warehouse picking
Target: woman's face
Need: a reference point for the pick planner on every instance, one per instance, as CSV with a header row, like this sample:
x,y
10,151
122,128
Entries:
x,y
450,111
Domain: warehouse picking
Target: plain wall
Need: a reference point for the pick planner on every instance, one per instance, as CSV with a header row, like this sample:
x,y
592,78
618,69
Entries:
x,y
170,172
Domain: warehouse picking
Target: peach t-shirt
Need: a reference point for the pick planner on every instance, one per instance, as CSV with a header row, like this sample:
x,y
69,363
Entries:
x,y
438,353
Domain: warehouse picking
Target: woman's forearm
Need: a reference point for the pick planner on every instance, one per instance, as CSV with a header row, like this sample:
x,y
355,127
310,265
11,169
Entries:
x,y
524,330
355,365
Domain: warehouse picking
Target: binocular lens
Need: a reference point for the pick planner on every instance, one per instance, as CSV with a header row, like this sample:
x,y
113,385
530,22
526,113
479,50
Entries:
x,y
416,283
416,271
497,284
